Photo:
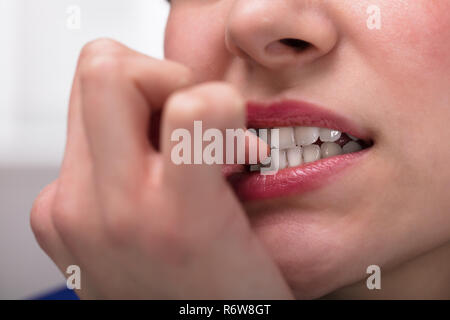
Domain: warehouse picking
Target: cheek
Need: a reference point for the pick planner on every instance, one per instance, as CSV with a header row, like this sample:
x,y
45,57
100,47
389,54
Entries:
x,y
197,43
415,43
426,30
417,32
413,38
409,60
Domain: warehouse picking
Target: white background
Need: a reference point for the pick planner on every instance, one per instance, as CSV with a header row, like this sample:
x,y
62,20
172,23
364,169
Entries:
x,y
38,54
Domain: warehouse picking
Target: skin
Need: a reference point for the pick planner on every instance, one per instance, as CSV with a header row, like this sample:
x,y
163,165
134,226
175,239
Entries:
x,y
166,231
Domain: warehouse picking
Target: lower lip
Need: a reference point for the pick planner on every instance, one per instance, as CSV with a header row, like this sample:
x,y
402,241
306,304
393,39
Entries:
x,y
250,186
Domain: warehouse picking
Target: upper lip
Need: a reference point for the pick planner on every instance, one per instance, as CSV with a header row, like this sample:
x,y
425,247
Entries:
x,y
285,113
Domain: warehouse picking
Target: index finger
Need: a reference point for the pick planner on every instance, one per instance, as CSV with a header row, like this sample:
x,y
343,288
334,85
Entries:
x,y
120,88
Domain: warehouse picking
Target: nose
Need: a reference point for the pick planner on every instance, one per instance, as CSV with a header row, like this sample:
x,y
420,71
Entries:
x,y
277,34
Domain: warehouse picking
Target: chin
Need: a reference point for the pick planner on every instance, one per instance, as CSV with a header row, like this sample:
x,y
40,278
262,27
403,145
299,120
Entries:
x,y
316,256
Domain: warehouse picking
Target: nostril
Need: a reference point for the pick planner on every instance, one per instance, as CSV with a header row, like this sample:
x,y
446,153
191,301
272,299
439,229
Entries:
x,y
289,47
296,44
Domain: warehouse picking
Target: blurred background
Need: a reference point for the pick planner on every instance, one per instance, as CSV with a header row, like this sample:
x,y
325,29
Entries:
x,y
40,43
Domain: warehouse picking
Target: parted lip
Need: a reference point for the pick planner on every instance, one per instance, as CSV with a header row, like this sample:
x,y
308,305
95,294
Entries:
x,y
307,177
250,186
299,113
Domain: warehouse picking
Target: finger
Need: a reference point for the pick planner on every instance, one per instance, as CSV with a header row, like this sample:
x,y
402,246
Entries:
x,y
119,90
48,238
243,146
76,155
219,107
256,149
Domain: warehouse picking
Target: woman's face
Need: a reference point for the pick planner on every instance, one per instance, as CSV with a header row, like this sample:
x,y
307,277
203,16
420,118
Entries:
x,y
393,82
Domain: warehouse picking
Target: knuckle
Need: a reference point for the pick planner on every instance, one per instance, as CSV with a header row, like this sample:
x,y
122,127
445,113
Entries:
x,y
216,101
223,88
100,58
183,105
64,215
40,219
227,95
101,46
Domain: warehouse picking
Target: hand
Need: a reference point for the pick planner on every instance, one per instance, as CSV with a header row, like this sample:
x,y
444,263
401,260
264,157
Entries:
x,y
138,225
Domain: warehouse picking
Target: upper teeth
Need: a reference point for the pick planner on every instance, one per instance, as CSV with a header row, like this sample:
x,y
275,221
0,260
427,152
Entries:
x,y
286,138
306,135
293,146
329,135
289,137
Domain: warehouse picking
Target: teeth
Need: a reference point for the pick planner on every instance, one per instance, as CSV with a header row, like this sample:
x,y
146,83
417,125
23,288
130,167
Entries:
x,y
351,146
293,146
283,159
294,157
286,136
264,134
329,135
311,153
330,149
306,135
279,160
